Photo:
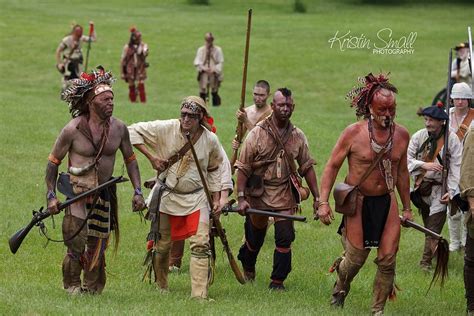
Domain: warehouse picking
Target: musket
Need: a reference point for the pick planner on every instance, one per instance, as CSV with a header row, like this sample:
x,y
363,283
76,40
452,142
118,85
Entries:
x,y
215,219
469,33
230,209
421,228
38,216
91,30
445,158
239,131
208,62
442,255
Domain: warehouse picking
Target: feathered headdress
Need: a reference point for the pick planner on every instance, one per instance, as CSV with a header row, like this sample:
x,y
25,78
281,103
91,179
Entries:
x,y
77,89
361,96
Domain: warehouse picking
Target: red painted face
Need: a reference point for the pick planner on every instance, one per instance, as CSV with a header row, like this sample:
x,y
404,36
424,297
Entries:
x,y
103,104
383,108
77,33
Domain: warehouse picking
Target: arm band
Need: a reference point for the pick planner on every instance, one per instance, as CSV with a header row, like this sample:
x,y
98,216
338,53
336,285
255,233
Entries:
x,y
54,160
133,157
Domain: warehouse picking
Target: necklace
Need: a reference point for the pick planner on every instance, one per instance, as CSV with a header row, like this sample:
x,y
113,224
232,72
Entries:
x,y
376,148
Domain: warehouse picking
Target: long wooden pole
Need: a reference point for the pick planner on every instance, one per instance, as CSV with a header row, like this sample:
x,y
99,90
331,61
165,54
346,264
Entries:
x,y
239,131
215,219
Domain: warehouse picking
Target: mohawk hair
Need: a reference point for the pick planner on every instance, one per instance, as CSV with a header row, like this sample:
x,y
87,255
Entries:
x,y
362,96
285,91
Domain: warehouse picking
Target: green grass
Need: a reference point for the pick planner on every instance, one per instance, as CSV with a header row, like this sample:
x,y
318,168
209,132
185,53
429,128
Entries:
x,y
287,49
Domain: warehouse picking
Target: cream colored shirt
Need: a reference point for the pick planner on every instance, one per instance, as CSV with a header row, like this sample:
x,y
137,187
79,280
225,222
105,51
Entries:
x,y
67,44
216,60
165,139
464,71
415,161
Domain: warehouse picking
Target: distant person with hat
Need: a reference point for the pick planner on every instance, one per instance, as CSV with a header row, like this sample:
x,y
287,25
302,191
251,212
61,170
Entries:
x,y
209,62
461,117
133,65
461,68
425,166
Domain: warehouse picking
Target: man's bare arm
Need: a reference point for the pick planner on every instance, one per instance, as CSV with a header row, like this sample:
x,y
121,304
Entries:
x,y
59,50
312,182
338,155
59,151
127,152
138,203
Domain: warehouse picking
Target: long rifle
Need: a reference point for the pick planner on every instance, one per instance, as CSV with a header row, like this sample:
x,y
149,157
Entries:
x,y
239,131
208,62
91,30
38,216
215,219
230,209
445,158
442,251
469,34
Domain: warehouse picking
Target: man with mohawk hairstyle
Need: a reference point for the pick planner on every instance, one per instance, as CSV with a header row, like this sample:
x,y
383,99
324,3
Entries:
x,y
376,149
91,140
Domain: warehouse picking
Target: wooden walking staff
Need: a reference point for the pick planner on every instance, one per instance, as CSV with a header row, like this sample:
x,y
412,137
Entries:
x,y
91,31
239,131
215,219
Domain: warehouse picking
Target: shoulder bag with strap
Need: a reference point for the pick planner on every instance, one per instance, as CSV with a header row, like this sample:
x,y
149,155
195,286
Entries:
x,y
345,195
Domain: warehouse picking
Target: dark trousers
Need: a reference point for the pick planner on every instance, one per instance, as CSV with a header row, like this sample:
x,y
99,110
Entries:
x,y
435,223
254,238
469,272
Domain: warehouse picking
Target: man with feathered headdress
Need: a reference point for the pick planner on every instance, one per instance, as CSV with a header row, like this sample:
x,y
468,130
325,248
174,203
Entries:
x,y
375,223
90,140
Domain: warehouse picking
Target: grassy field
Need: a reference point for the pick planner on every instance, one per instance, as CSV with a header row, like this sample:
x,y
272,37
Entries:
x,y
287,49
